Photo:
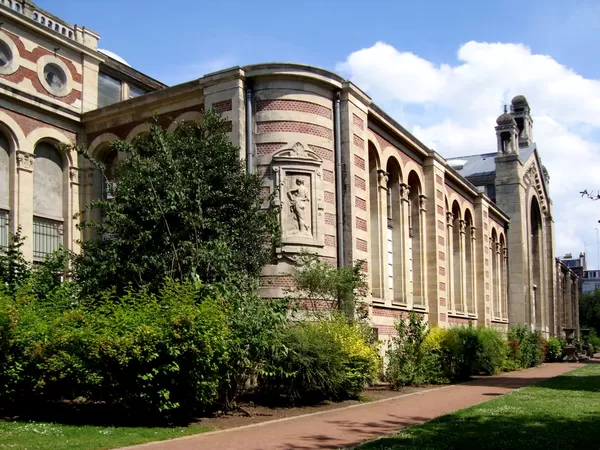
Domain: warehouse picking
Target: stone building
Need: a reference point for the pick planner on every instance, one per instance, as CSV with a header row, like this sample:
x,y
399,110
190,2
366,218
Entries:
x,y
465,240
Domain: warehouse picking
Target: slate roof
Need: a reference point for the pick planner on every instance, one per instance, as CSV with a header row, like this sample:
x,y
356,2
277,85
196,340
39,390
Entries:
x,y
485,164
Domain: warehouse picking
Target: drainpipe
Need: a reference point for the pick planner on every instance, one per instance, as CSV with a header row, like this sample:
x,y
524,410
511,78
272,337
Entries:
x,y
249,129
338,181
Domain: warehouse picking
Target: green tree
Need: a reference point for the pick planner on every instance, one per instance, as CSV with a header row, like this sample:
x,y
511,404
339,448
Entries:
x,y
340,288
589,310
181,206
14,269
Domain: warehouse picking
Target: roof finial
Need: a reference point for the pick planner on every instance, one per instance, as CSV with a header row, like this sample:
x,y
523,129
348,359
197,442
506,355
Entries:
x,y
505,109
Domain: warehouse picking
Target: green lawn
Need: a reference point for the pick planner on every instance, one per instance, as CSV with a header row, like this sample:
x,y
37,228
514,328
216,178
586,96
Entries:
x,y
43,435
561,413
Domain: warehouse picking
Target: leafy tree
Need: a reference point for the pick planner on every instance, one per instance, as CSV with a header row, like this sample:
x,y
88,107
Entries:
x,y
14,269
340,288
589,310
181,206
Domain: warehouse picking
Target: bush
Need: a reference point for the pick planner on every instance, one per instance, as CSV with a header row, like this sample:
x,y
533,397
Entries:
x,y
473,351
329,358
555,350
407,351
525,348
153,353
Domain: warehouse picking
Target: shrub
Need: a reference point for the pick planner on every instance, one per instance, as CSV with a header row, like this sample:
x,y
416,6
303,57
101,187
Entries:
x,y
555,349
154,353
406,352
525,347
330,358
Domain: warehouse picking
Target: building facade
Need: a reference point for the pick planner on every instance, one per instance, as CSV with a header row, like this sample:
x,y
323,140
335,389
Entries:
x,y
459,241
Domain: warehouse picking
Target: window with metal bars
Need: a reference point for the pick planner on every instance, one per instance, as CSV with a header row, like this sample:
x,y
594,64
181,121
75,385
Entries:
x,y
3,229
47,237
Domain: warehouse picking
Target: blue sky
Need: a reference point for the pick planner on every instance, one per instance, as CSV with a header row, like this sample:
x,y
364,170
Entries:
x,y
443,69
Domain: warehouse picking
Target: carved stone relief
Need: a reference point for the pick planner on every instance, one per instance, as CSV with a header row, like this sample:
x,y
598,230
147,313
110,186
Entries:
x,y
299,182
25,161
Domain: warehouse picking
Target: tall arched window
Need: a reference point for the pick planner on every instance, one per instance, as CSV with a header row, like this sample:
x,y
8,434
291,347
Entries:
x,y
495,275
397,194
48,200
469,263
457,265
376,250
4,189
536,263
416,239
504,276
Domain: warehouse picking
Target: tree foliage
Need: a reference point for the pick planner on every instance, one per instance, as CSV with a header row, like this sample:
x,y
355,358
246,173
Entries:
x,y
589,310
181,206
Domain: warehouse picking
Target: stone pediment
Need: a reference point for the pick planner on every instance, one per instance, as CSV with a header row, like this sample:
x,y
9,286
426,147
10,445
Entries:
x,y
534,178
297,153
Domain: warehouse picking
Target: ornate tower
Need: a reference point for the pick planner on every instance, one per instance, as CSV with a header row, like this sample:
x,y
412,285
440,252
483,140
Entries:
x,y
507,134
522,114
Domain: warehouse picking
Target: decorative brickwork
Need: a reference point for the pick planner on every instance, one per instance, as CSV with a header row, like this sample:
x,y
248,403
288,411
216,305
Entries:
x,y
358,122
328,176
458,320
440,195
325,154
439,179
329,240
329,197
442,317
440,210
269,148
441,240
25,73
359,162
286,126
364,267
384,143
329,219
284,281
29,124
442,271
442,286
442,301
442,256
441,225
389,312
386,330
359,142
294,105
359,182
223,106
360,203
361,244
316,305
361,224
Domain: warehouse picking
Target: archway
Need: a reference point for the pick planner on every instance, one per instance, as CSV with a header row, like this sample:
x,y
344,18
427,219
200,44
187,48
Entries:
x,y
416,240
457,266
536,255
469,263
376,253
395,233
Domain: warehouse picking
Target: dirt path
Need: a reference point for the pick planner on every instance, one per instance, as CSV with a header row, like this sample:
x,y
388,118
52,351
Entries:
x,y
354,424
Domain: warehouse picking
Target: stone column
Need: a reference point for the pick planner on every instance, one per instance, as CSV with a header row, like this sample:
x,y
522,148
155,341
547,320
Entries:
x,y
450,252
472,307
74,234
462,301
406,233
422,249
498,280
382,177
504,285
24,216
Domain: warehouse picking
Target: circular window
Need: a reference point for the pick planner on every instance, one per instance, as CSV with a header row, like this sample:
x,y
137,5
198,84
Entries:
x,y
6,55
55,77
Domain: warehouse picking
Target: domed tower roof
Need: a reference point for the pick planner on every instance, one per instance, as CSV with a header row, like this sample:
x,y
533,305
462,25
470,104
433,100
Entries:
x,y
519,100
505,118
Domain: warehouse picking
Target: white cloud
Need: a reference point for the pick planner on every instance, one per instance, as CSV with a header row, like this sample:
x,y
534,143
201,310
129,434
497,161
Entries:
x,y
457,106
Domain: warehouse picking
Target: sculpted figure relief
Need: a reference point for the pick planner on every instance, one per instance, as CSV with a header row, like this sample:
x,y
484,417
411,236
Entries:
x,y
299,206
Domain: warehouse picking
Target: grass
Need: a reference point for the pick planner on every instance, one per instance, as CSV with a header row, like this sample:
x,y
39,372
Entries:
x,y
561,413
21,435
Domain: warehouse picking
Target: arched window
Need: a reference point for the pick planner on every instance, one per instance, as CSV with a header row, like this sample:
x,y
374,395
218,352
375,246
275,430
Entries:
x,y
396,195
469,263
48,200
375,214
495,275
416,239
4,189
457,265
504,277
536,263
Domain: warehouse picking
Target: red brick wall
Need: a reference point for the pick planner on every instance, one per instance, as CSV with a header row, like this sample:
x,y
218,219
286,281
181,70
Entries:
x,y
293,105
285,126
29,124
33,56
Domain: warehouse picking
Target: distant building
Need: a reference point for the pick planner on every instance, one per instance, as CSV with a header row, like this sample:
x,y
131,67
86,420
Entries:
x,y
577,265
590,281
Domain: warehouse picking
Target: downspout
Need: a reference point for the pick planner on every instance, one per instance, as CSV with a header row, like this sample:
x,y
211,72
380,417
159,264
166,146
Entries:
x,y
338,181
249,129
